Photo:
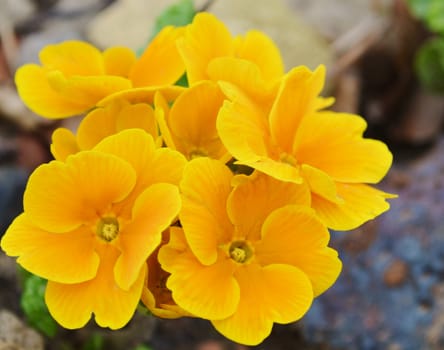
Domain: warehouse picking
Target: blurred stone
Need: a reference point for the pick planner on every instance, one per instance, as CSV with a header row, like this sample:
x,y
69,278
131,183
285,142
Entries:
x,y
13,108
299,42
130,23
423,120
16,335
396,274
14,11
126,22
12,185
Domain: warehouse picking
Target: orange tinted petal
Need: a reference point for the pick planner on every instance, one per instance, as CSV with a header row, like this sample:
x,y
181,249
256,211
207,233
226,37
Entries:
x,y
293,235
333,143
205,188
66,257
271,294
154,210
60,197
255,198
320,183
160,63
360,204
296,99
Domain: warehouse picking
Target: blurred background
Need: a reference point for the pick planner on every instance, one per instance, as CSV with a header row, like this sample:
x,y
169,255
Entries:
x,y
385,61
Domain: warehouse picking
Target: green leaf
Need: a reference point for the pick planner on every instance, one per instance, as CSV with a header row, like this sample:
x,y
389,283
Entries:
x,y
34,307
429,65
142,347
435,17
179,14
95,342
420,8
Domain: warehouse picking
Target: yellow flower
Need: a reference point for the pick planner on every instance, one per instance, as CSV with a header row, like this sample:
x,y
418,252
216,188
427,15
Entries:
x,y
189,126
90,223
247,257
295,141
210,52
74,76
101,122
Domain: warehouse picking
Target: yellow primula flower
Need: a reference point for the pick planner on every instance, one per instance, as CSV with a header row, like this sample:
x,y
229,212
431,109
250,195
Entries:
x,y
189,126
90,224
210,52
101,122
296,141
248,256
74,76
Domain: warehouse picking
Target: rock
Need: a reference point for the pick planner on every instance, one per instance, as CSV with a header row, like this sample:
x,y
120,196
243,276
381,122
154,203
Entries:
x,y
396,274
16,335
126,22
299,42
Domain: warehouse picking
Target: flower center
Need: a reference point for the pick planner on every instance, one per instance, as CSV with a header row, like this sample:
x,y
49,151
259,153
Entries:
x,y
108,228
240,251
197,152
288,159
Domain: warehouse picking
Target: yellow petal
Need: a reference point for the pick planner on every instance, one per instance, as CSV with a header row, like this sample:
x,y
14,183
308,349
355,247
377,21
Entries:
x,y
160,64
333,143
143,95
88,90
154,210
161,113
60,197
192,120
96,125
269,61
140,116
320,183
63,144
293,235
73,57
190,283
205,188
243,74
243,131
272,294
34,90
152,164
255,198
295,100
71,305
360,204
281,170
205,38
65,258
118,61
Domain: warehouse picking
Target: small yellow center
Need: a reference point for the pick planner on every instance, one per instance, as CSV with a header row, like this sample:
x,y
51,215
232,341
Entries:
x,y
288,159
108,228
240,251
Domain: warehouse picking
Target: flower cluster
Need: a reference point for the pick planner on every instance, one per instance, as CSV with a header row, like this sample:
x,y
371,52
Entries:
x,y
212,200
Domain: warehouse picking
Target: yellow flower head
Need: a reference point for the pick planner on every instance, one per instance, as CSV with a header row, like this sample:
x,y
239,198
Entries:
x,y
101,122
248,256
210,52
90,223
296,141
74,76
